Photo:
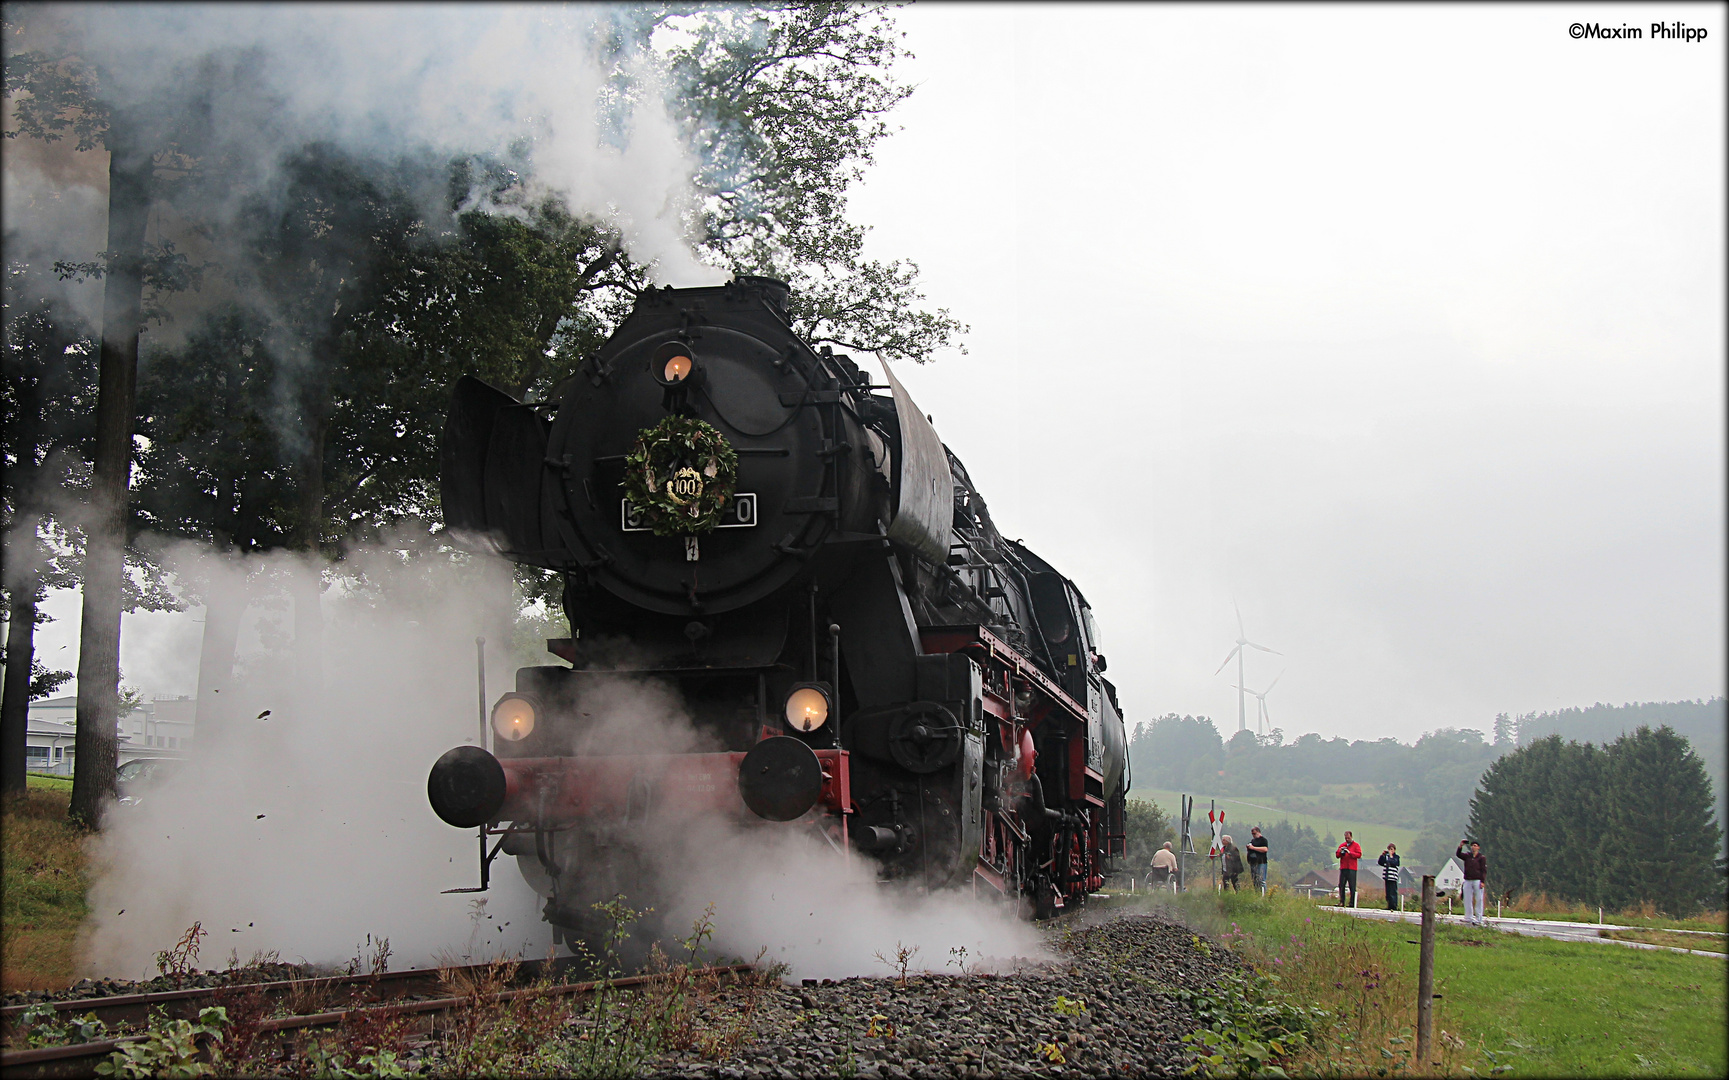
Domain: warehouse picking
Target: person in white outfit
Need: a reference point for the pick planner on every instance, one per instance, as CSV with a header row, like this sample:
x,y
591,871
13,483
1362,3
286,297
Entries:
x,y
1164,867
1476,866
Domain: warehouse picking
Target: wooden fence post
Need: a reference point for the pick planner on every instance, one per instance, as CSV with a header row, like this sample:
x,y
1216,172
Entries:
x,y
1426,976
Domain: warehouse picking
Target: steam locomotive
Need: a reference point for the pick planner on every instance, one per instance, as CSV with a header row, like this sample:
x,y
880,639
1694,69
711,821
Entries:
x,y
749,520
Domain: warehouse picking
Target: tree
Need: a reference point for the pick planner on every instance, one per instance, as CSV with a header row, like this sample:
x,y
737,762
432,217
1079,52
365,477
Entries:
x,y
1506,730
1614,825
1148,827
1661,840
1703,723
1295,847
1539,835
1436,843
54,95
792,101
1172,748
45,397
212,471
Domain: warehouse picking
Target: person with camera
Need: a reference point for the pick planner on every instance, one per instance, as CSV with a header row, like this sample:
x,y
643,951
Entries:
x,y
1476,866
1257,850
1389,861
1348,854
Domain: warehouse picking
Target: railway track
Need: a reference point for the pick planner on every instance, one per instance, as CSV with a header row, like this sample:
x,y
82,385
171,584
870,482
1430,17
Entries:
x,y
377,997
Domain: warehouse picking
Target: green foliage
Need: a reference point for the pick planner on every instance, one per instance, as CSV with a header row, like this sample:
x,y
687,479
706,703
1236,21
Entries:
x,y
1148,827
328,1064
1662,840
1167,752
1435,844
1702,723
1294,845
791,102
41,1025
1248,1026
1631,821
1428,781
1064,1007
169,1048
54,95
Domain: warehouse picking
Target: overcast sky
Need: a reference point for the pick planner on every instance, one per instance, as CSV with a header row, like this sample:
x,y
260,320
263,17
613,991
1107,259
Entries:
x,y
1401,328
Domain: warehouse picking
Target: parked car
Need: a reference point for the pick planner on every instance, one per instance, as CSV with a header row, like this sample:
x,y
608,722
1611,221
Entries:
x,y
138,776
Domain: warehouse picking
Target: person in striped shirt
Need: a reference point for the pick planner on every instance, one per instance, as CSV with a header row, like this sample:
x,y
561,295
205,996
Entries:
x,y
1389,861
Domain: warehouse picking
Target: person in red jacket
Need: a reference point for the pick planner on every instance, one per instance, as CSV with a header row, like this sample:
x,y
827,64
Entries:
x,y
1348,854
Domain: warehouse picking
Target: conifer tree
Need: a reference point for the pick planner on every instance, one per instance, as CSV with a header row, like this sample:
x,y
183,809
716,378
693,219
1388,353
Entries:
x,y
1662,840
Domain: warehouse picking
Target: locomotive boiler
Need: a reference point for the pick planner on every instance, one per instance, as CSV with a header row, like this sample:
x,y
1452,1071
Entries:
x,y
748,521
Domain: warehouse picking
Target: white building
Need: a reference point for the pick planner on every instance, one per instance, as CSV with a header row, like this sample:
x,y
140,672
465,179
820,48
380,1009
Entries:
x,y
1451,878
159,728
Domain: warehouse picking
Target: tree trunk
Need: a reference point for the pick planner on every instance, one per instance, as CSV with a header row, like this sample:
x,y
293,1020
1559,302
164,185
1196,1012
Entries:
x,y
130,170
24,586
15,702
224,607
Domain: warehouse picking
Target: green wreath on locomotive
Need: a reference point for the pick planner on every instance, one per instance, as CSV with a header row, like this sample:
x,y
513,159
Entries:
x,y
681,475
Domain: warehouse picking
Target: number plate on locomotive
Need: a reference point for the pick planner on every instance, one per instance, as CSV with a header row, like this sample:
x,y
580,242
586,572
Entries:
x,y
741,514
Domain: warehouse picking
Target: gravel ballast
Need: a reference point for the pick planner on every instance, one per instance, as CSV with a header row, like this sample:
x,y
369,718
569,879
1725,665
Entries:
x,y
1027,1023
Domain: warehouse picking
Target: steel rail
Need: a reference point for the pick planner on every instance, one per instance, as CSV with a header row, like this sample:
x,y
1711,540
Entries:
x,y
122,1008
79,1060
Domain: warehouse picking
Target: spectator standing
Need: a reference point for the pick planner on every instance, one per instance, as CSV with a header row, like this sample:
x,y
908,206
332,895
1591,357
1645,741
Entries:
x,y
1164,866
1389,861
1258,860
1233,863
1348,854
1476,866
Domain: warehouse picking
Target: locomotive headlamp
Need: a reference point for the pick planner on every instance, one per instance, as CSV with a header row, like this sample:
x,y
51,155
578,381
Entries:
x,y
673,364
807,707
513,717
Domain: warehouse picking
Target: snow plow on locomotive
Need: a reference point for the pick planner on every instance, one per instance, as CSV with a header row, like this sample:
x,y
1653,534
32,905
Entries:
x,y
748,521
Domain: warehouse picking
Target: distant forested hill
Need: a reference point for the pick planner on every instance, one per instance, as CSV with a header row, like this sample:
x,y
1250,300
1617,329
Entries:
x,y
1702,723
1425,785
1405,785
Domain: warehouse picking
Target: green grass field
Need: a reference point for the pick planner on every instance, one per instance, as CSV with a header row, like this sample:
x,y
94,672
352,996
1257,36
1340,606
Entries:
x,y
1537,1006
44,883
1253,810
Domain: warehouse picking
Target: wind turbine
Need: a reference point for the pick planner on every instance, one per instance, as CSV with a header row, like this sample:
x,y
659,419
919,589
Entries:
x,y
1263,719
1242,639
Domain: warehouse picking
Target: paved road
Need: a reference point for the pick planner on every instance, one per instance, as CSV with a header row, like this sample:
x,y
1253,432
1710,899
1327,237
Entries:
x,y
1560,931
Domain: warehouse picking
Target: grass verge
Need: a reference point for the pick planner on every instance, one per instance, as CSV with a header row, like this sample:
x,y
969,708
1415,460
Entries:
x,y
44,883
1509,1005
1698,942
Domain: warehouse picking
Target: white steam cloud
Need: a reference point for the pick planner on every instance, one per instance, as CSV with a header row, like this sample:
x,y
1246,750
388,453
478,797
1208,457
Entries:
x,y
541,82
784,889
308,830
